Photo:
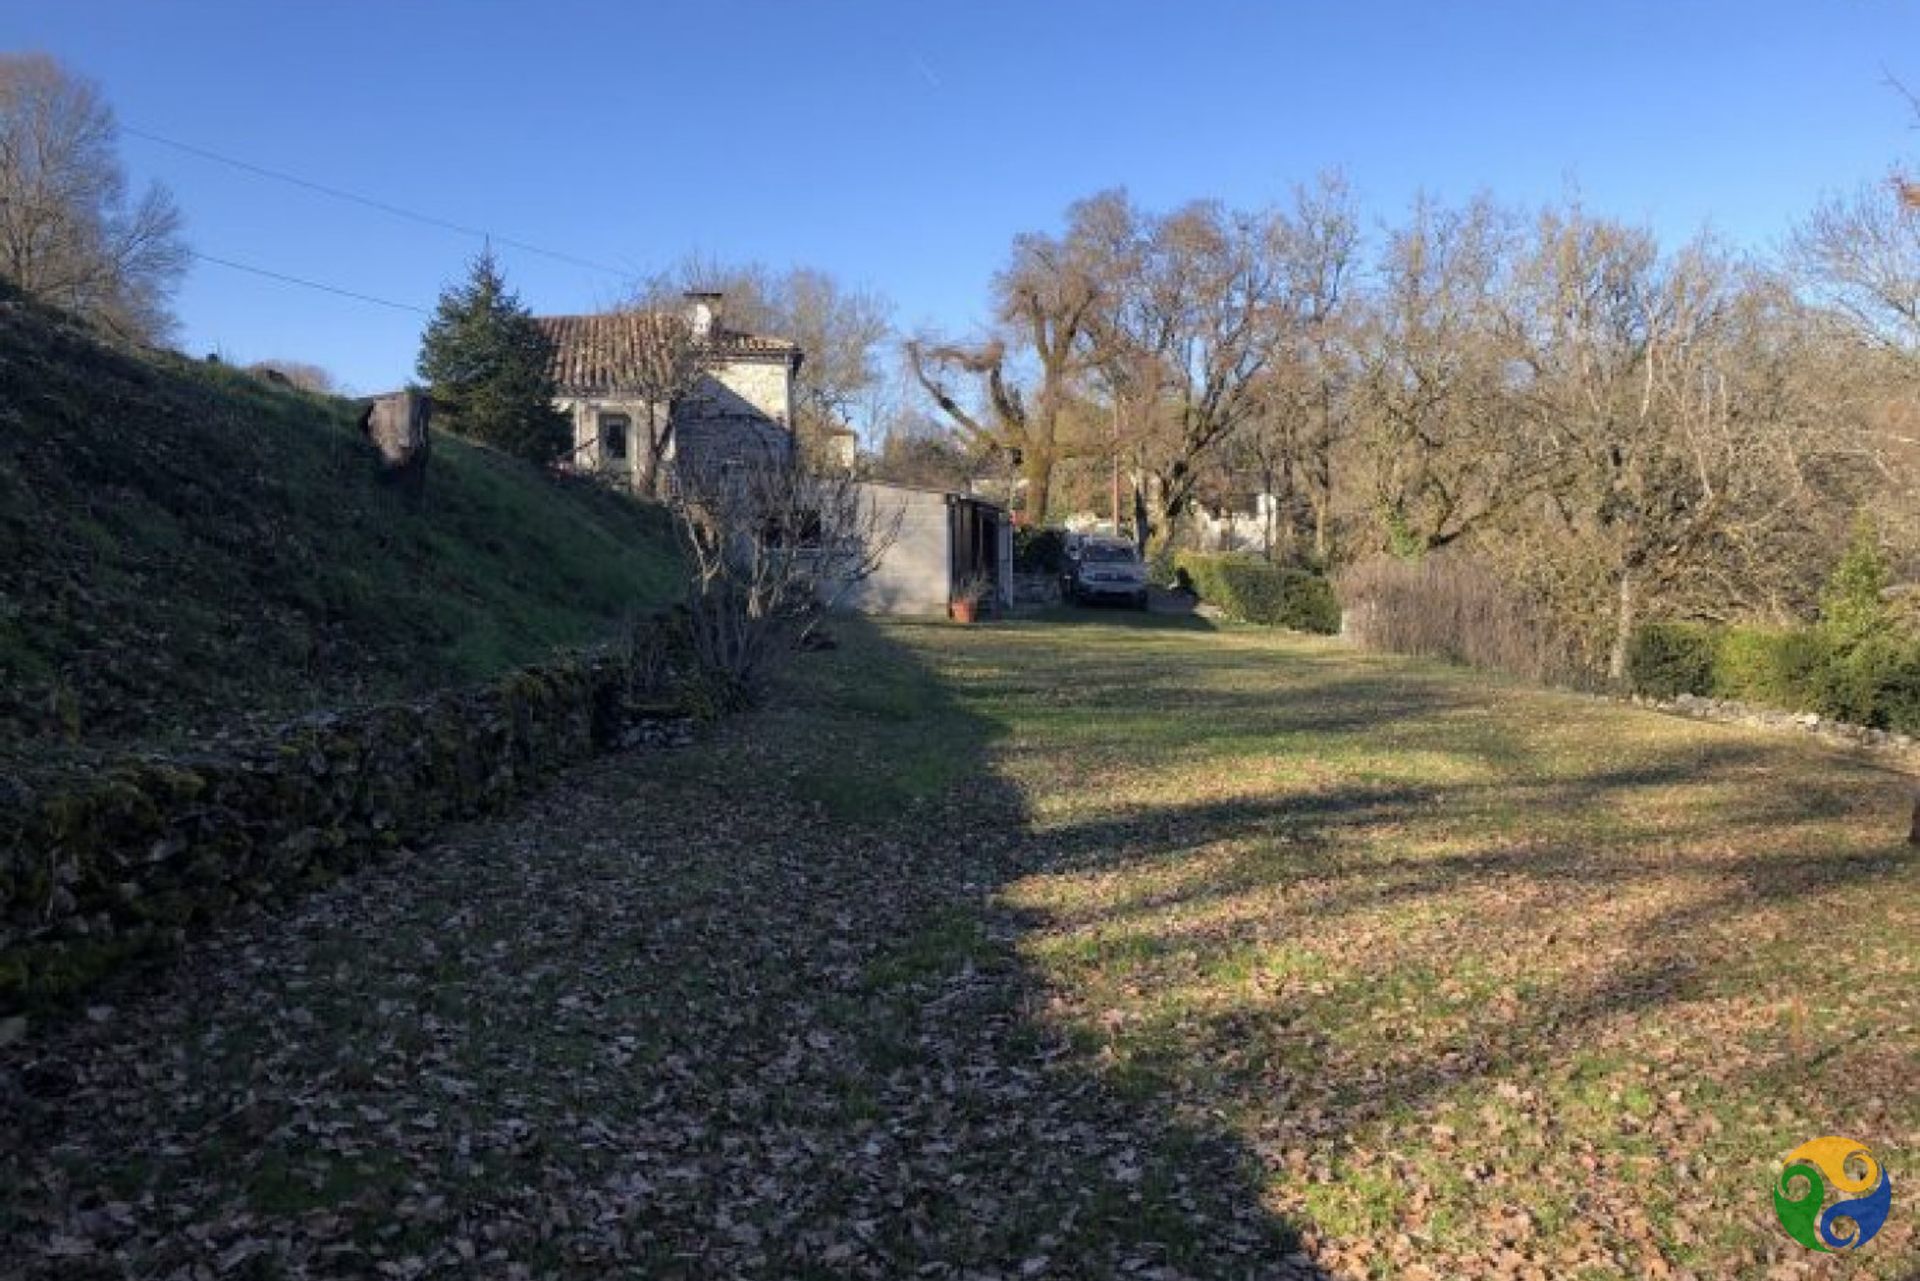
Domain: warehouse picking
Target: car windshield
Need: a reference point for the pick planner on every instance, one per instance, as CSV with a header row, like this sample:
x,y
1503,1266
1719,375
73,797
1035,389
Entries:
x,y
1107,554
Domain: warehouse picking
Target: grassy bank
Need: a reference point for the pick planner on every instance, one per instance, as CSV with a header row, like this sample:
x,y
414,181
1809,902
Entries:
x,y
183,546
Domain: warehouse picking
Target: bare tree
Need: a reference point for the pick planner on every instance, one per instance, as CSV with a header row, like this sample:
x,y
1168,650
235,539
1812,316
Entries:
x,y
1437,396
918,450
1268,452
1045,303
665,360
1860,254
69,234
772,548
1215,326
1319,254
1199,294
1685,476
841,330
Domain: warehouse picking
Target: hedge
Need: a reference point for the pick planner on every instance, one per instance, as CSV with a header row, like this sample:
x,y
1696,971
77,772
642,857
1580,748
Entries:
x,y
1768,666
1876,683
1873,682
1665,660
95,870
1254,591
1039,549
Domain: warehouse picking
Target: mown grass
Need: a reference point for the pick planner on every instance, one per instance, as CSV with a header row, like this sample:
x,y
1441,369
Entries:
x,y
183,545
1493,980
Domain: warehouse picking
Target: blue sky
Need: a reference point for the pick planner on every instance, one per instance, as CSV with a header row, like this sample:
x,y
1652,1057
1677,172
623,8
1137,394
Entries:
x,y
901,145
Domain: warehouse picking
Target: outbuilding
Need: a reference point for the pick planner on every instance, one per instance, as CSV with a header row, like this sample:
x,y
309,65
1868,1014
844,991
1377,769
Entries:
x,y
949,544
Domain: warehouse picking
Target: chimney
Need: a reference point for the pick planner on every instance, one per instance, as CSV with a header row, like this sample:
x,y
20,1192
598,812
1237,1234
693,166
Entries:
x,y
702,310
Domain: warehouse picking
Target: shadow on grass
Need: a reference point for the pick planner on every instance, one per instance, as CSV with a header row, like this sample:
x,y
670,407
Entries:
x,y
1359,947
1104,614
1038,1165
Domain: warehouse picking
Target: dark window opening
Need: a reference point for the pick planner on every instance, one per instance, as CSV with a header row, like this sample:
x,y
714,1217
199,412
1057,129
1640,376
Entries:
x,y
613,436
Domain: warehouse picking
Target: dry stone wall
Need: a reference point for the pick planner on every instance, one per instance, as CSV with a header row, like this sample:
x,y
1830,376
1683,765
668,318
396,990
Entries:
x,y
101,869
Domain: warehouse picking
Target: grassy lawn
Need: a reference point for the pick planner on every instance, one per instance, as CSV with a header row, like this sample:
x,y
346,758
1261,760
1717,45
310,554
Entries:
x,y
1491,980
1091,946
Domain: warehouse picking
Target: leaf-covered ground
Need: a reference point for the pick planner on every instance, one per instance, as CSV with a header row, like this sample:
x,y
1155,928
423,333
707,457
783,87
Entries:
x,y
1045,949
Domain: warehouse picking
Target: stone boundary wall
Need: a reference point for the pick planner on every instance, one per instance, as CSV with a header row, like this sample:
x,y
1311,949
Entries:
x,y
133,857
1754,716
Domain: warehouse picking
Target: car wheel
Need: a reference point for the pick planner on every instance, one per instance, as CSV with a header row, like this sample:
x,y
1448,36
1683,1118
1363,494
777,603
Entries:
x,y
1140,601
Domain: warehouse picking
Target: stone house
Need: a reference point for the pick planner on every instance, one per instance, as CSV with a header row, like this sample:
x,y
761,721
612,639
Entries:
x,y
741,407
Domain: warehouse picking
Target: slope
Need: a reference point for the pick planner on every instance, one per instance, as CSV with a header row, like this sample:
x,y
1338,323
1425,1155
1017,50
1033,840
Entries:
x,y
185,548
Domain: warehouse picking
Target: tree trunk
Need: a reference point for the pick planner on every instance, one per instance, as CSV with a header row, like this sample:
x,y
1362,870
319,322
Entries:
x,y
659,440
1036,467
1622,629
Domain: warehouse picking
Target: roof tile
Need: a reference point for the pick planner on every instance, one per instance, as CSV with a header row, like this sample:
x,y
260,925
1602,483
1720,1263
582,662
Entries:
x,y
599,353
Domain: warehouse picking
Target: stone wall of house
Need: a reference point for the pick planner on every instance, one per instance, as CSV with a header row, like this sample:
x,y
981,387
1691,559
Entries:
x,y
585,413
766,385
741,410
131,857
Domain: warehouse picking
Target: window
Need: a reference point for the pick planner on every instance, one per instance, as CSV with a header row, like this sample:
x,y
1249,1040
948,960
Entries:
x,y
613,437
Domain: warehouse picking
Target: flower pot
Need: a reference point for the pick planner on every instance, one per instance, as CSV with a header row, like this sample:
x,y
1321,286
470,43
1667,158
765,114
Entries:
x,y
963,611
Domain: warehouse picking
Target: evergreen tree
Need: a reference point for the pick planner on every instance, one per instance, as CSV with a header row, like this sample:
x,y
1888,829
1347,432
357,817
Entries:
x,y
487,364
1852,609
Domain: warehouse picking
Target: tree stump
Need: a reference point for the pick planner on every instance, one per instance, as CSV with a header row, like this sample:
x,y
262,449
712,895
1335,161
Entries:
x,y
398,425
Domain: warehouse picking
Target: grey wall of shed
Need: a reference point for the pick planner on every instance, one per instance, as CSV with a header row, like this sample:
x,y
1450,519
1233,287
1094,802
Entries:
x,y
913,576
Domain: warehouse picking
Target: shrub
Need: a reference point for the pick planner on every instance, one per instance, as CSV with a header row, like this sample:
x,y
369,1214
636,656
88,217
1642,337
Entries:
x,y
1668,659
1253,591
1774,667
1876,682
1454,609
1039,550
1873,682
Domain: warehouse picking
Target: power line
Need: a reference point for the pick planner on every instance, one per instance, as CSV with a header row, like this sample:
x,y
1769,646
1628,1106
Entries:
x,y
308,284
370,202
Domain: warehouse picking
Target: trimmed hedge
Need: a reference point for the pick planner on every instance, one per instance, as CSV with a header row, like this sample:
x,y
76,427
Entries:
x,y
1254,591
1873,682
1665,660
1039,549
1772,667
132,856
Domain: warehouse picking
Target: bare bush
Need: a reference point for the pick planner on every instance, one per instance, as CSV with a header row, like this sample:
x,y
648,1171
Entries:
x,y
296,373
1455,609
772,547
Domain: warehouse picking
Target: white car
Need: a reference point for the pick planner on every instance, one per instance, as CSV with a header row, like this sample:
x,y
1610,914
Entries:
x,y
1105,569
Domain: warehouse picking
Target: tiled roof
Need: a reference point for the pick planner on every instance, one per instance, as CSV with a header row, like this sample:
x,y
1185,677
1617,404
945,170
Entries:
x,y
599,353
